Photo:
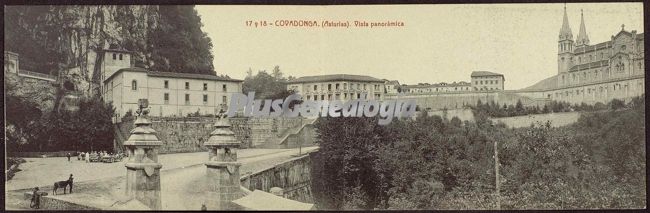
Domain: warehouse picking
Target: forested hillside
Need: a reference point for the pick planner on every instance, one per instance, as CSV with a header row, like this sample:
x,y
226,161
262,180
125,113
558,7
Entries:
x,y
436,163
53,39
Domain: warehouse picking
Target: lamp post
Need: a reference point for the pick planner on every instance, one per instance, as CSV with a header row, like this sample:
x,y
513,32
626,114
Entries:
x,y
496,172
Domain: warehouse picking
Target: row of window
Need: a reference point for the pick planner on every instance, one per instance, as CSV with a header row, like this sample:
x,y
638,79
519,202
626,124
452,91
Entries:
x,y
338,96
601,90
115,56
224,99
619,67
345,86
134,86
440,89
486,82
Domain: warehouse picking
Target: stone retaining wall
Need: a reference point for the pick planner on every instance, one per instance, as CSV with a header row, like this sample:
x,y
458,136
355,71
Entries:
x,y
52,203
188,134
293,176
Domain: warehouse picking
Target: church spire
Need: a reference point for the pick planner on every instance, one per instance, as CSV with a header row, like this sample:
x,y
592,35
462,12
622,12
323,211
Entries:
x,y
565,31
582,39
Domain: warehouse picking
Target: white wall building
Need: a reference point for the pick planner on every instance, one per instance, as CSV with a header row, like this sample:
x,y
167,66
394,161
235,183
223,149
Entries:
x,y
168,93
337,87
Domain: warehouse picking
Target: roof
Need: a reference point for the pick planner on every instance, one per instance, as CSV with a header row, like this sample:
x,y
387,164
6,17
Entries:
x,y
260,200
590,48
543,85
173,75
395,82
115,50
484,73
335,77
594,64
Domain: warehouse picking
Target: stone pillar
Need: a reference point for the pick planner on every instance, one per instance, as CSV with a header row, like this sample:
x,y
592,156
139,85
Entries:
x,y
142,167
222,168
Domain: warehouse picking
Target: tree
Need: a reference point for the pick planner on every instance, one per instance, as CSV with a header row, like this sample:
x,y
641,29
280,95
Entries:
x,y
266,85
178,44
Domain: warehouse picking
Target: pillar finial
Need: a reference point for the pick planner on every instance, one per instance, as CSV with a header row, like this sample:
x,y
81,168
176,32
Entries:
x,y
622,27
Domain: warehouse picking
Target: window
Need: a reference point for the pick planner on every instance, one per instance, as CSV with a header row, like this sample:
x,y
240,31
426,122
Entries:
x,y
224,87
114,56
166,98
315,87
224,99
322,97
329,87
120,57
187,85
187,99
337,86
205,86
345,85
364,86
134,85
166,84
205,99
308,97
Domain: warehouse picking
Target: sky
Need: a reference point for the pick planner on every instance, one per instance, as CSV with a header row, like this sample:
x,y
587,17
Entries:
x,y
438,43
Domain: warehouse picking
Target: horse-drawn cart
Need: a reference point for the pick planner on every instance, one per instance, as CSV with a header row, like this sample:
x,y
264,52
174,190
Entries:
x,y
112,158
94,157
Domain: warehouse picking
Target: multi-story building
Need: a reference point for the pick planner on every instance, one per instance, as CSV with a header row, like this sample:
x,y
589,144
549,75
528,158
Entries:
x,y
337,87
484,80
438,88
392,87
168,93
594,73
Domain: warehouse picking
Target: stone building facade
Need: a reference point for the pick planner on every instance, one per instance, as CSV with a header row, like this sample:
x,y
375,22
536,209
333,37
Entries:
x,y
484,80
338,87
587,73
438,88
169,93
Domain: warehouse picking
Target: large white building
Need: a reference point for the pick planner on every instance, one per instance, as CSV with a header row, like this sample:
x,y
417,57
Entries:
x,y
168,93
337,87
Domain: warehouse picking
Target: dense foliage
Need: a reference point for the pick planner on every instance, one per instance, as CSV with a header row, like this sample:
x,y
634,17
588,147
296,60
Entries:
x,y
30,130
435,163
178,44
164,38
492,109
265,85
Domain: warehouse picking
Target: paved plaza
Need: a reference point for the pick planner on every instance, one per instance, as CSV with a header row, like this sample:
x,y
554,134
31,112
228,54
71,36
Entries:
x,y
182,177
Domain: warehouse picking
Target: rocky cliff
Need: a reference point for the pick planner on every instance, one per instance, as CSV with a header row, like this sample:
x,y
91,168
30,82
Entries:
x,y
62,40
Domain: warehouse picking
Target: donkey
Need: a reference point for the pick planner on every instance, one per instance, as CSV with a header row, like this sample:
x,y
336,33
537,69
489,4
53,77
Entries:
x,y
63,184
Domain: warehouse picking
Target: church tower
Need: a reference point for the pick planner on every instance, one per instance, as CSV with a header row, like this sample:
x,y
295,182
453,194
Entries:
x,y
583,39
565,49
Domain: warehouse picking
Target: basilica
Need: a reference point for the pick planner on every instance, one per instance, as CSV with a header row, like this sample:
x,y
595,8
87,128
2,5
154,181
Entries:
x,y
591,73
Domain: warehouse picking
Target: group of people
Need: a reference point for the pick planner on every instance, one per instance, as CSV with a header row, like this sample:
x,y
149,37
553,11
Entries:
x,y
86,155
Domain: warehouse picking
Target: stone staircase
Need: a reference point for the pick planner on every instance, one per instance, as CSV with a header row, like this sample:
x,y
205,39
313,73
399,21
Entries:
x,y
283,140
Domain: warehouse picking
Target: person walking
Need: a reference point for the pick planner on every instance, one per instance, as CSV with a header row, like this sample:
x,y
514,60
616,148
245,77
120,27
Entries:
x,y
69,157
36,199
87,157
